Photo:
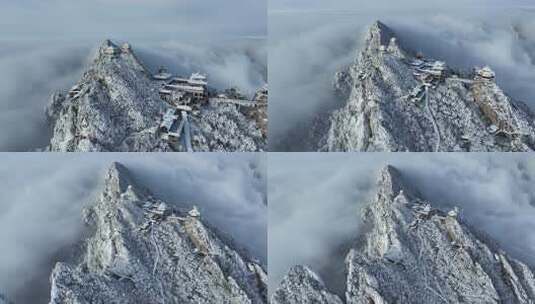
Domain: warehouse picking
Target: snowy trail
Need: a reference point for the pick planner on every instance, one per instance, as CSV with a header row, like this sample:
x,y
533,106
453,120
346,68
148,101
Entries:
x,y
467,81
241,102
180,127
432,118
153,241
187,132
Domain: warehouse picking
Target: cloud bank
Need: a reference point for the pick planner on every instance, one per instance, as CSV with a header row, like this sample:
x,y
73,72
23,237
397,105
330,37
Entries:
x,y
67,20
43,197
315,202
309,44
285,6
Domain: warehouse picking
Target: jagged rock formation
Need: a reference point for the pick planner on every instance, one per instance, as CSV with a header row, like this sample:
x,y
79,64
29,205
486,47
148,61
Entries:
x,y
400,101
260,113
225,128
116,107
144,251
302,285
413,253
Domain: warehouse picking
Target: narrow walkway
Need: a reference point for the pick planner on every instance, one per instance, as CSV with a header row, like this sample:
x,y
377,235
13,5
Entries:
x,y
153,241
432,118
467,81
241,102
187,131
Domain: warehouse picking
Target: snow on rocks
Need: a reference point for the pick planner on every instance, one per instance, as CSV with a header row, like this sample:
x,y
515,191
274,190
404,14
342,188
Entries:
x,y
414,253
303,286
142,250
408,102
116,106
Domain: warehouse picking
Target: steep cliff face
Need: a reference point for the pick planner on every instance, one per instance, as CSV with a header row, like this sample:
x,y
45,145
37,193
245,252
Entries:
x,y
144,251
398,100
116,107
414,253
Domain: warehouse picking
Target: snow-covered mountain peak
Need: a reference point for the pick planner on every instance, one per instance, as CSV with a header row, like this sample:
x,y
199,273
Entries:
x,y
410,251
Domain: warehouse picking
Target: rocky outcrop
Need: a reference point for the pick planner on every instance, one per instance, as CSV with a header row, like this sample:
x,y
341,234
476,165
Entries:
x,y
225,128
302,285
414,253
398,100
259,113
142,250
116,106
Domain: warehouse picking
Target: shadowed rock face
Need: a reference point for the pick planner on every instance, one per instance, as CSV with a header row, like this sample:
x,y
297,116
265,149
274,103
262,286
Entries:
x,y
461,111
414,253
145,251
116,107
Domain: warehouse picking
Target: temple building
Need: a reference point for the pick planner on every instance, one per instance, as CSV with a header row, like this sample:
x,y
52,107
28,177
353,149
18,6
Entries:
x,y
183,91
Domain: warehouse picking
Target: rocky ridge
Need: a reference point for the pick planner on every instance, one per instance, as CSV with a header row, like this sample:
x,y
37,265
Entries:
x,y
116,107
414,253
142,250
398,100
302,285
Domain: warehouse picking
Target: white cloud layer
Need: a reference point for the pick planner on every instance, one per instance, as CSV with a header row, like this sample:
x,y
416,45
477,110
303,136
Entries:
x,y
75,19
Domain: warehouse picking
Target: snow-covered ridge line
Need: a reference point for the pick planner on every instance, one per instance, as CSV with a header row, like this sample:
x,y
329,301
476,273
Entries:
x,y
415,253
393,91
119,105
143,250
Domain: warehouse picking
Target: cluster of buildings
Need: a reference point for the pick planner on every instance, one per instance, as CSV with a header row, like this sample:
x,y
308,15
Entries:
x,y
112,50
180,90
484,74
157,211
430,73
183,94
391,47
